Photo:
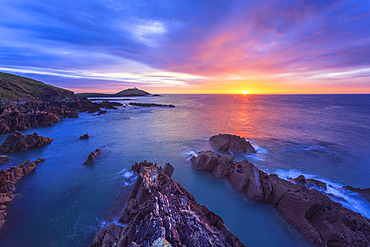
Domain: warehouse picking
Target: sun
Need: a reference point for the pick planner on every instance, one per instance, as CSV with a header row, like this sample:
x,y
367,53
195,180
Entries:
x,y
245,92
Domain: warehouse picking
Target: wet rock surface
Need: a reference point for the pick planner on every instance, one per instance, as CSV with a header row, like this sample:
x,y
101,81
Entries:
x,y
319,219
91,157
231,144
160,212
8,179
17,142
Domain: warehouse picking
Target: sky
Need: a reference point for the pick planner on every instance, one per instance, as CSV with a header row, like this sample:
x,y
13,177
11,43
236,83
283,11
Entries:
x,y
190,46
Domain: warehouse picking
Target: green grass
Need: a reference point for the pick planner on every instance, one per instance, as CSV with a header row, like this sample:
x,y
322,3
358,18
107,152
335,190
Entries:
x,y
15,87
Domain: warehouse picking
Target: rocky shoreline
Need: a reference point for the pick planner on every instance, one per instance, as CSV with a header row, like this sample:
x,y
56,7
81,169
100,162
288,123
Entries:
x,y
160,212
319,219
8,179
24,114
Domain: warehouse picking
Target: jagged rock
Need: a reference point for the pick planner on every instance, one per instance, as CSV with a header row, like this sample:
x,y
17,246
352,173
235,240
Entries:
x,y
319,219
4,158
219,165
168,169
8,179
85,136
310,183
91,157
160,212
18,142
231,144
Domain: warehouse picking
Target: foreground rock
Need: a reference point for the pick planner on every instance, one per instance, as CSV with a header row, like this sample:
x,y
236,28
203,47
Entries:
x,y
91,157
319,219
231,144
151,105
160,212
17,142
8,179
4,158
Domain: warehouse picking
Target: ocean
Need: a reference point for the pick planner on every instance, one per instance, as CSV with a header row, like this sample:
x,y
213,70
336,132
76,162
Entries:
x,y
64,203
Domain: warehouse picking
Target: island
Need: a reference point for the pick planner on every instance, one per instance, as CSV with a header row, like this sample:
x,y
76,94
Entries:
x,y
130,92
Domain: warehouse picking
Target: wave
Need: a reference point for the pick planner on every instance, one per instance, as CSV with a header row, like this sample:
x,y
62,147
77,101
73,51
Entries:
x,y
190,154
334,191
260,155
128,176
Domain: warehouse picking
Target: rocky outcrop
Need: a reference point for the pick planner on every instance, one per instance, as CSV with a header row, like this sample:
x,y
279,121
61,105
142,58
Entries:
x,y
4,158
91,157
151,105
231,144
310,183
319,219
23,114
84,137
160,212
17,142
8,179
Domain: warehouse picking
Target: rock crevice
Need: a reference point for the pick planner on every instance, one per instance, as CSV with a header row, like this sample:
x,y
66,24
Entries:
x,y
161,211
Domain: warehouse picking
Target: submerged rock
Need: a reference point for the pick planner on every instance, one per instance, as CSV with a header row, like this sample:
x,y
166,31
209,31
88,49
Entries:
x,y
160,212
8,179
91,157
84,137
319,219
231,144
17,142
4,158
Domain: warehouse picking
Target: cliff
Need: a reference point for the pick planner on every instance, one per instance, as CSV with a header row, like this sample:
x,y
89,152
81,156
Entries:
x,y
15,87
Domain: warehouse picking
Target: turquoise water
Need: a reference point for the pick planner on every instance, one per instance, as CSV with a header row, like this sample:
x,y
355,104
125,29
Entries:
x,y
63,203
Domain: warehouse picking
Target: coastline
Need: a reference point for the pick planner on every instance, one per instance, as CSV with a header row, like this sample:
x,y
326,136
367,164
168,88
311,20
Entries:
x,y
115,114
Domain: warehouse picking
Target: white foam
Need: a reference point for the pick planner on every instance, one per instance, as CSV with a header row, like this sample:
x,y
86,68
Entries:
x,y
190,154
334,191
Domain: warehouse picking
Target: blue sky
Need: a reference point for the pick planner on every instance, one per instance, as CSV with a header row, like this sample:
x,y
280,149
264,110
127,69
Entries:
x,y
190,46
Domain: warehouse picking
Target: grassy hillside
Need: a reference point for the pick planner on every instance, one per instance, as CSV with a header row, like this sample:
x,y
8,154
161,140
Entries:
x,y
124,93
17,87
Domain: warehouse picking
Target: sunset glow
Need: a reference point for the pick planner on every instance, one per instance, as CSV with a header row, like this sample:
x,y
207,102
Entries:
x,y
187,47
245,92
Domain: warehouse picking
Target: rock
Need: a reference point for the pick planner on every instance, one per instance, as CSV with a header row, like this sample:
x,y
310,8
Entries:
x,y
160,212
8,179
4,158
231,144
365,193
168,169
101,112
84,137
151,105
358,190
319,219
17,142
156,95
310,183
91,157
219,165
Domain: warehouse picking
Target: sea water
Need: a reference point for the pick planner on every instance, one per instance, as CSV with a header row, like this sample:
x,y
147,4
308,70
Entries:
x,y
64,203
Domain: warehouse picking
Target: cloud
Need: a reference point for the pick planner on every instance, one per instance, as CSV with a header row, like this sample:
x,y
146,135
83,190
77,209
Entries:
x,y
247,40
